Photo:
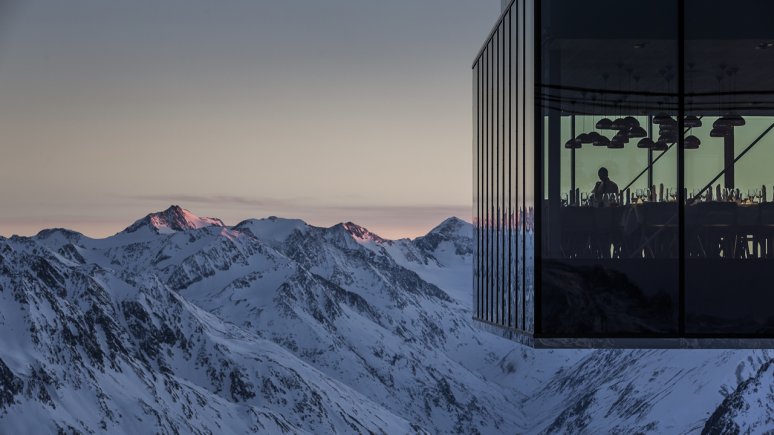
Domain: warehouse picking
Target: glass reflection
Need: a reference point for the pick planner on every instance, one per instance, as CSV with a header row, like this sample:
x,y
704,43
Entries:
x,y
728,236
609,227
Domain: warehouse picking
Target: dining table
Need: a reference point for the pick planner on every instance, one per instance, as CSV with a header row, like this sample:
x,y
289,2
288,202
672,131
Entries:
x,y
724,229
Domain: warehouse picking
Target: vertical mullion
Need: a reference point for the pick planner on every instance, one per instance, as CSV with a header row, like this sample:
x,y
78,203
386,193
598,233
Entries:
x,y
480,186
496,180
498,176
501,172
519,185
510,172
523,22
477,181
489,184
503,166
479,206
681,162
487,131
496,172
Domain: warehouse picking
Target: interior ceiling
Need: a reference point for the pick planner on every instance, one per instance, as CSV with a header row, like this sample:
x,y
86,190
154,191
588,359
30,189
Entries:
x,y
585,41
641,77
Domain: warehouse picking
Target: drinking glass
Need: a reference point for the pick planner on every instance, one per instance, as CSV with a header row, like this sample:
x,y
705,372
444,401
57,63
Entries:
x,y
756,196
672,194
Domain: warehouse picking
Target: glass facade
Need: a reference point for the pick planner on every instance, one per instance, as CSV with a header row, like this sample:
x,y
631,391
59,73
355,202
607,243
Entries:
x,y
503,157
622,181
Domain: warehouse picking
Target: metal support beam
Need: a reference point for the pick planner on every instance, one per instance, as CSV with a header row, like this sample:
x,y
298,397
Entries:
x,y
573,200
728,159
650,152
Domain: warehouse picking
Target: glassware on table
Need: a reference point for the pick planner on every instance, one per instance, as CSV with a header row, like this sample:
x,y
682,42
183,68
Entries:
x,y
565,199
584,198
728,194
752,196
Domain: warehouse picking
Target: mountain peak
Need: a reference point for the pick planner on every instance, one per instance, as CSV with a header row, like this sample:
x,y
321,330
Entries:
x,y
361,234
273,228
452,225
175,218
453,230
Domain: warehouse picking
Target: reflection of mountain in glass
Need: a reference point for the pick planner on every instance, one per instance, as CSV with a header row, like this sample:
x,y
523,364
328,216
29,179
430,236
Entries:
x,y
595,300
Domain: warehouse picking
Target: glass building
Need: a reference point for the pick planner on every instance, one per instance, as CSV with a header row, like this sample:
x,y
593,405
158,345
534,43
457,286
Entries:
x,y
623,174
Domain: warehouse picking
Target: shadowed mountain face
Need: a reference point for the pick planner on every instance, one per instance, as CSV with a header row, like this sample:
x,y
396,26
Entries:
x,y
184,324
595,300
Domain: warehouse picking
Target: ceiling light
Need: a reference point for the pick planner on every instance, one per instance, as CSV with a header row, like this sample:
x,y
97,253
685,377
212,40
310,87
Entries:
x,y
691,143
637,132
645,143
604,124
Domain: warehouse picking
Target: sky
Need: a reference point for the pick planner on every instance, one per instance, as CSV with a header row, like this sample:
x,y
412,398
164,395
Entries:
x,y
328,111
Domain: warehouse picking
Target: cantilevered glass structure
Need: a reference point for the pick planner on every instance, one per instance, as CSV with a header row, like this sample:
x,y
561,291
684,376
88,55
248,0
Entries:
x,y
623,173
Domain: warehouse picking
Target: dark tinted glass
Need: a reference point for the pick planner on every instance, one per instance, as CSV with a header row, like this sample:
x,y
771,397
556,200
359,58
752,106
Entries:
x,y
607,100
729,220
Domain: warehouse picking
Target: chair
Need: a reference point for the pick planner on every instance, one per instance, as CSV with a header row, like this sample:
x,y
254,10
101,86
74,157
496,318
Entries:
x,y
578,225
717,228
748,232
659,223
766,228
604,229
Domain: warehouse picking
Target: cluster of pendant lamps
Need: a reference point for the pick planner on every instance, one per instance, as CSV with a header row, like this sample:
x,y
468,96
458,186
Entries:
x,y
629,128
626,128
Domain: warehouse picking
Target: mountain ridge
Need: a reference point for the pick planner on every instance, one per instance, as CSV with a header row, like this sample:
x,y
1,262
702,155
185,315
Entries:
x,y
277,326
174,218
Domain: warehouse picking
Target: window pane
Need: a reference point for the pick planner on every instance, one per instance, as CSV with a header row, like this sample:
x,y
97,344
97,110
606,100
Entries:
x,y
608,105
729,260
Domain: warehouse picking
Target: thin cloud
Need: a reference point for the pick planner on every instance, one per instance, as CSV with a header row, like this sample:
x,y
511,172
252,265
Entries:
x,y
307,206
223,200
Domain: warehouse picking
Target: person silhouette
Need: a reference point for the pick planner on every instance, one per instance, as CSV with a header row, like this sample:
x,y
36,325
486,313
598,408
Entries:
x,y
603,186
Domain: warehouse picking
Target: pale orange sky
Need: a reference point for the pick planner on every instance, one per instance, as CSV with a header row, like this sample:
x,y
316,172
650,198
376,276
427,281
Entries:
x,y
325,111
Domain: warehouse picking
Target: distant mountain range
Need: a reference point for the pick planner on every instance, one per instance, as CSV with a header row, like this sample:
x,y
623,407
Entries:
x,y
182,324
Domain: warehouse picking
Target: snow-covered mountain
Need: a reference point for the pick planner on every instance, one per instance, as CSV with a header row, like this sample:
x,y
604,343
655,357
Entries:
x,y
184,324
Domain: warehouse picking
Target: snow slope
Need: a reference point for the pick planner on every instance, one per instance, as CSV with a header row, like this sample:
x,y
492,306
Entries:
x,y
184,324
